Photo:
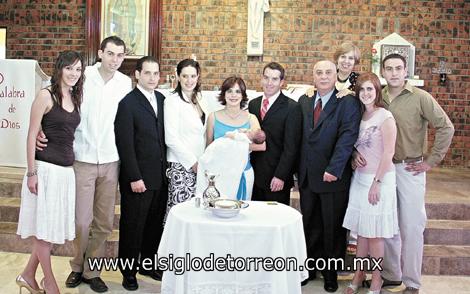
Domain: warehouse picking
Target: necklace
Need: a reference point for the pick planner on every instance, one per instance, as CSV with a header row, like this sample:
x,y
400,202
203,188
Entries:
x,y
342,80
233,116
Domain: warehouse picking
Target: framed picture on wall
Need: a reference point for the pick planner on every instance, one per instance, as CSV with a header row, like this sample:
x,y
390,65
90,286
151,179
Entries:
x,y
3,42
129,20
403,50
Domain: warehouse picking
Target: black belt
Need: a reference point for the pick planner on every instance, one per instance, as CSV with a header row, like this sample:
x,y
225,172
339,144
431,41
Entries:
x,y
409,160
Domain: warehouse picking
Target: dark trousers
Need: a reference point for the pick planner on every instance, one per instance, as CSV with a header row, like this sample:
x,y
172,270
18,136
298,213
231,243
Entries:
x,y
322,215
261,194
141,227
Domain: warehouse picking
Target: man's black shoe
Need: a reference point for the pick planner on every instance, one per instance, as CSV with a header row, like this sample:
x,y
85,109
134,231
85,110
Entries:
x,y
154,274
312,275
330,285
96,284
130,283
389,283
73,280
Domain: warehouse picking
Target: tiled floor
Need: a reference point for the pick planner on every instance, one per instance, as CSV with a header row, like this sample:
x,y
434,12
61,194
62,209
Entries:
x,y
444,185
11,264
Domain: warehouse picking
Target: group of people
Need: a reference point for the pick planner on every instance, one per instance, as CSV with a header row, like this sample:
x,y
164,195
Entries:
x,y
90,131
381,135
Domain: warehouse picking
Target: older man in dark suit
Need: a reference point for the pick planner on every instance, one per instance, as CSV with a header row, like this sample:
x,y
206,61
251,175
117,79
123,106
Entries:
x,y
330,129
280,119
143,185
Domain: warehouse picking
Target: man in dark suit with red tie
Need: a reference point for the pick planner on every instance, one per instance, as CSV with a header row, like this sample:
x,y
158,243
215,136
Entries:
x,y
140,142
280,119
330,128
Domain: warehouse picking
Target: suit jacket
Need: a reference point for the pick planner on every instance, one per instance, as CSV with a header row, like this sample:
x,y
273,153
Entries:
x,y
328,145
282,125
140,141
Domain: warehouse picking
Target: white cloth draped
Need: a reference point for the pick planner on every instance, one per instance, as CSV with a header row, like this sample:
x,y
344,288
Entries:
x,y
226,158
262,230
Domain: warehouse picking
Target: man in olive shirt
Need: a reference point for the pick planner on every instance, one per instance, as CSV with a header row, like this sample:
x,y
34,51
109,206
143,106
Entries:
x,y
413,110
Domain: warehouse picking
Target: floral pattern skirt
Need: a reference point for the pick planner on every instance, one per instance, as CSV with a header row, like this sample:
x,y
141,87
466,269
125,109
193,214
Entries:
x,y
181,184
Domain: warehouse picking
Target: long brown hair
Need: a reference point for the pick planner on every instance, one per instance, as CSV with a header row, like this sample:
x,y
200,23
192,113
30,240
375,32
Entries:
x,y
372,77
64,59
179,68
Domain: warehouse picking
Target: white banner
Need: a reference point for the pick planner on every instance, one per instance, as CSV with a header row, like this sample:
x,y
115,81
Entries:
x,y
20,80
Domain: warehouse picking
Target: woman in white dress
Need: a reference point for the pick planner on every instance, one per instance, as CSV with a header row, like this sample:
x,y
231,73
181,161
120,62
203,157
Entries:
x,y
372,211
47,212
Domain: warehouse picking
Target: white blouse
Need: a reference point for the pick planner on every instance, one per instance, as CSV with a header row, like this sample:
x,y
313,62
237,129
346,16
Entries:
x,y
185,134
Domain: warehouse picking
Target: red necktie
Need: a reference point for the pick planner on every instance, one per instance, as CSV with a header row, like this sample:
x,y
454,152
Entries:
x,y
316,112
264,108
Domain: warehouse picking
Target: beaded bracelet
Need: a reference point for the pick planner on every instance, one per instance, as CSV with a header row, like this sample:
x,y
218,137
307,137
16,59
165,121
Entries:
x,y
33,173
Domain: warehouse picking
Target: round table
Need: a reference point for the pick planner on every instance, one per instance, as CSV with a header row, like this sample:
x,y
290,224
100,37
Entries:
x,y
264,233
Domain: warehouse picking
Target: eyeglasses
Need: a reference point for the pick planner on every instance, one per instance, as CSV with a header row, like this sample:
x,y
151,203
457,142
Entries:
x,y
232,91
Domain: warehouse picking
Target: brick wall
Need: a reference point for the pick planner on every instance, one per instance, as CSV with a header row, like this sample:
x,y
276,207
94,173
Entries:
x,y
40,29
296,33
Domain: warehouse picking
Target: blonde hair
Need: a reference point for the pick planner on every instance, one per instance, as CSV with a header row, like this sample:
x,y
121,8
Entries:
x,y
345,48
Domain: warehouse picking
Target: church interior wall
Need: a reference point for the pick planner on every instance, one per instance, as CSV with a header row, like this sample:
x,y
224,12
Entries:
x,y
297,33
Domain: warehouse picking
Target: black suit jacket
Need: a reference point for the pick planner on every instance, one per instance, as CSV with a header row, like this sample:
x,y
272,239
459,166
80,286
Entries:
x,y
140,141
328,145
282,125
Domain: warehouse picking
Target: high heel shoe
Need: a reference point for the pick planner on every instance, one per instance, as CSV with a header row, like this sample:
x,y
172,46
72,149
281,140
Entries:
x,y
21,282
351,287
42,286
376,291
355,288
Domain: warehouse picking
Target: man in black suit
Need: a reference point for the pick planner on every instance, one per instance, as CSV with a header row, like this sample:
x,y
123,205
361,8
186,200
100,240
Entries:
x,y
330,128
280,119
140,142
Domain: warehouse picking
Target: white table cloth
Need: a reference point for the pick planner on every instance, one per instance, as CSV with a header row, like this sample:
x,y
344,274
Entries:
x,y
261,230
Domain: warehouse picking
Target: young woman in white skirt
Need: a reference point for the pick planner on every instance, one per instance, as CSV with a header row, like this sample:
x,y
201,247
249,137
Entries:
x,y
372,208
47,212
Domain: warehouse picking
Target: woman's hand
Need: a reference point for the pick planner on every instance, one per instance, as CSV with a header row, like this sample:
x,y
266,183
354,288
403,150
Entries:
x,y
194,168
374,193
357,160
33,184
310,92
344,92
41,141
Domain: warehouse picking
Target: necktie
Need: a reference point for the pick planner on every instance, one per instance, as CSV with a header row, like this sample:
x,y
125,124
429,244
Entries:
x,y
316,112
153,102
264,108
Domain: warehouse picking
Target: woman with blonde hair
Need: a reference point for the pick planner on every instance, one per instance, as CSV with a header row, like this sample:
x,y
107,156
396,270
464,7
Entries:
x,y
347,56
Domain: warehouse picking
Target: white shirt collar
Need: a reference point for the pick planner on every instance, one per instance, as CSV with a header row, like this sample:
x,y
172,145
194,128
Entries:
x,y
149,95
325,98
272,99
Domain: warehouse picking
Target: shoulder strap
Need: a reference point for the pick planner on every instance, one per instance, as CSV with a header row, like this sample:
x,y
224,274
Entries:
x,y
54,99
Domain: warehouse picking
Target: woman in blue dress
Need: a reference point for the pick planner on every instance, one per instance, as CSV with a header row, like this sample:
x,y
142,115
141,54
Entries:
x,y
235,117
